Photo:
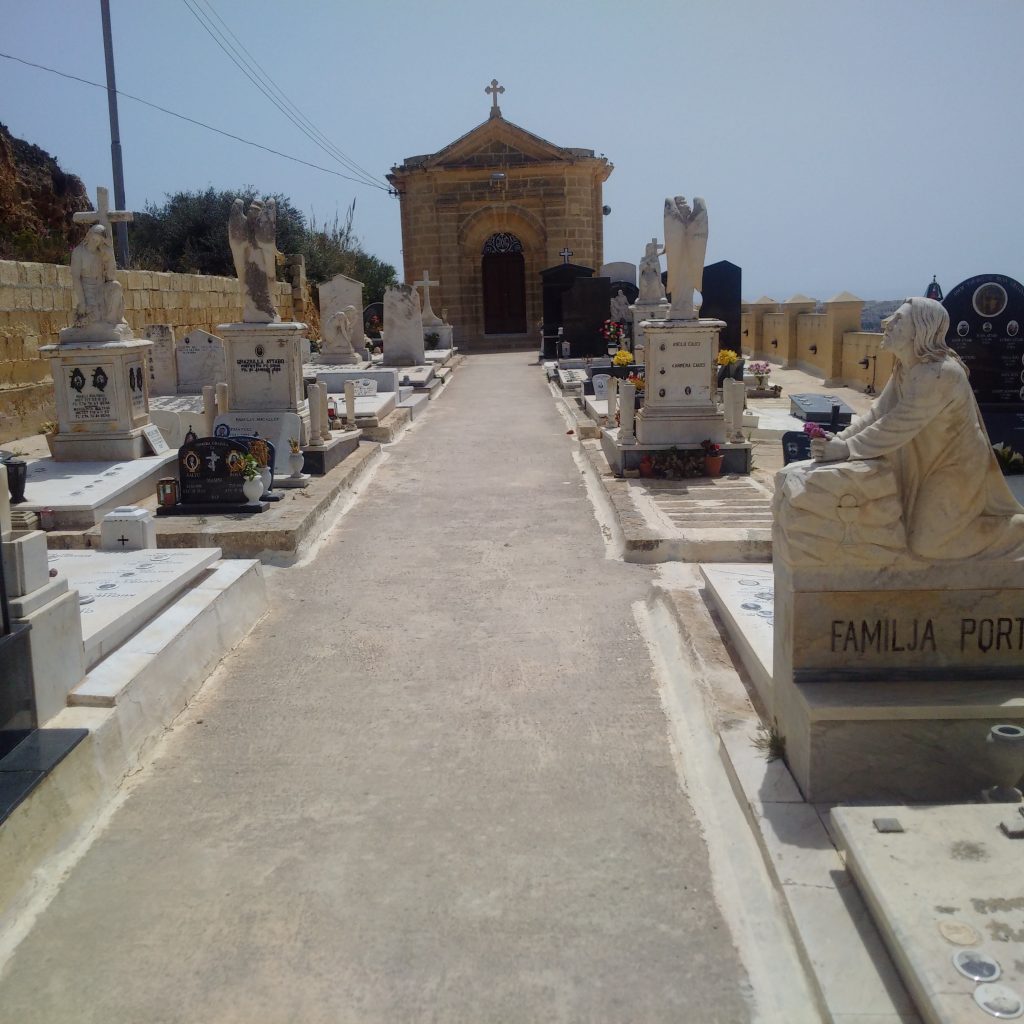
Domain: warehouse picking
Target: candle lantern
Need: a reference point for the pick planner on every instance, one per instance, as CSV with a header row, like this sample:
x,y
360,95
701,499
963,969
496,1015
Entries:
x,y
167,491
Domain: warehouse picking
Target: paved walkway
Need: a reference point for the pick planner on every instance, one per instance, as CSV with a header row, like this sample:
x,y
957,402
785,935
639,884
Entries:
x,y
434,784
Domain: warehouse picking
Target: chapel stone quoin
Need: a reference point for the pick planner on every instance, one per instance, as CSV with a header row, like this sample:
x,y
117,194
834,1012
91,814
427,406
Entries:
x,y
489,212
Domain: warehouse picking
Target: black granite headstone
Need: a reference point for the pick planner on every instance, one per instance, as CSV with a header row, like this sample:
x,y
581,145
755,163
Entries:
x,y
555,282
585,308
796,447
374,309
628,289
722,293
210,470
986,329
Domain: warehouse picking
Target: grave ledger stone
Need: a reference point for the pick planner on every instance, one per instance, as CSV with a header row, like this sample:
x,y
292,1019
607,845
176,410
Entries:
x,y
986,329
899,584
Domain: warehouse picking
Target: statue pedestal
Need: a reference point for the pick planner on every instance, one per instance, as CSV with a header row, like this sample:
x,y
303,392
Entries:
x,y
679,399
264,369
887,680
101,391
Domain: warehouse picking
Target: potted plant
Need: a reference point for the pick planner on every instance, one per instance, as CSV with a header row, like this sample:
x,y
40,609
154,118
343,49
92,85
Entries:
x,y
729,365
761,370
713,457
296,460
252,484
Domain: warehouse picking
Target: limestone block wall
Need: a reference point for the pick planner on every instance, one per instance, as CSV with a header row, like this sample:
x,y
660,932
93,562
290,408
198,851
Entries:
x,y
812,330
36,301
856,346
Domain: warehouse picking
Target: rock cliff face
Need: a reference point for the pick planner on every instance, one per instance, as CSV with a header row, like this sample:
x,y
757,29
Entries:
x,y
37,201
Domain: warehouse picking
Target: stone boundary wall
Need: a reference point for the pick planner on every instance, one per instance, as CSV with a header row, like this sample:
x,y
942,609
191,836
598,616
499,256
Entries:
x,y
829,344
35,303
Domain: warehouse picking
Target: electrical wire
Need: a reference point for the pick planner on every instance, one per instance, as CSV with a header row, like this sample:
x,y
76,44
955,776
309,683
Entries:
x,y
192,120
253,75
261,71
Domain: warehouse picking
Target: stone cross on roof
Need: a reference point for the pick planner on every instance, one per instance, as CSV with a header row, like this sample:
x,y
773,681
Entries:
x,y
493,90
566,253
103,214
430,318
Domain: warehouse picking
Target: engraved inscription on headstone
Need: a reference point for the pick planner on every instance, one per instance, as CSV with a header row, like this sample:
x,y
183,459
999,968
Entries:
x,y
91,396
362,388
199,358
210,469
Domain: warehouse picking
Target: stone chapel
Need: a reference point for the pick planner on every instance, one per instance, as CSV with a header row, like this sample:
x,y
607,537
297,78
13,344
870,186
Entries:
x,y
487,213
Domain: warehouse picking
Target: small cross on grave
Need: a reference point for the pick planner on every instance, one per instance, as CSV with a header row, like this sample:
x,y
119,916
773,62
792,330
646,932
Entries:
x,y
493,90
430,318
103,214
566,253
122,540
212,459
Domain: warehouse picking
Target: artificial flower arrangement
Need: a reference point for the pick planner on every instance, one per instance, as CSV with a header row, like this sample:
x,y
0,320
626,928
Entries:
x,y
622,358
1011,462
760,368
711,449
612,330
813,430
637,381
726,357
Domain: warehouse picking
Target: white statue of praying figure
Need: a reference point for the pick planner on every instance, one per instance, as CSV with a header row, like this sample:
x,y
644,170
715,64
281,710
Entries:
x,y
651,288
97,292
927,426
686,242
253,240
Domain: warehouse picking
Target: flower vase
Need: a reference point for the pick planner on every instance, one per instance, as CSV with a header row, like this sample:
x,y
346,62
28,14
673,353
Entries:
x,y
1006,763
266,478
253,490
296,462
713,465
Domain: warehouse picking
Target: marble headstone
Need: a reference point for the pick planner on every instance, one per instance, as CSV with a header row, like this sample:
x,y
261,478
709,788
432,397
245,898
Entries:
x,y
403,327
163,370
199,357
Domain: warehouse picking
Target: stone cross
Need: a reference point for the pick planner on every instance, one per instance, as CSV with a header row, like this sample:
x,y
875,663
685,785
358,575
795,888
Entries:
x,y
565,254
493,90
103,214
430,318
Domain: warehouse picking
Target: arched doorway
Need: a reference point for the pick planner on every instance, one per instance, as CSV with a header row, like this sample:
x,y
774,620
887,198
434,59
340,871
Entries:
x,y
504,278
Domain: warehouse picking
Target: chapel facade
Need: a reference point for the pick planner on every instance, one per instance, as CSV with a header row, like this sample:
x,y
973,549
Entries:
x,y
487,213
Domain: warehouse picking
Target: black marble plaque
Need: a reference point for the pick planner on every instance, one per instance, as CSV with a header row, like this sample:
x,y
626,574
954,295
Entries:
x,y
721,291
986,329
210,470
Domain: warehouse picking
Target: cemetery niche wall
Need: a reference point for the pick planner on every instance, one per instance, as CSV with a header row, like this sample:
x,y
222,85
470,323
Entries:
x,y
487,213
986,330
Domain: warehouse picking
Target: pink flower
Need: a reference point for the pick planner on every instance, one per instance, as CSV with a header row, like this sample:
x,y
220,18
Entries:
x,y
813,430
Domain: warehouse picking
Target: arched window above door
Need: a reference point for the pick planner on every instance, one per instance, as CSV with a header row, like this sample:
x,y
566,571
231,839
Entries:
x,y
502,243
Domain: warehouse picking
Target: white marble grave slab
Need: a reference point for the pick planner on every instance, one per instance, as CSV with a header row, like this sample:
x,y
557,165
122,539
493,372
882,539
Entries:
x,y
370,409
744,594
440,356
127,588
570,379
276,427
81,493
417,376
403,326
947,883
199,357
387,379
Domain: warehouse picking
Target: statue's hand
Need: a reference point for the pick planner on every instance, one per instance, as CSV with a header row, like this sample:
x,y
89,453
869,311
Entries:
x,y
829,449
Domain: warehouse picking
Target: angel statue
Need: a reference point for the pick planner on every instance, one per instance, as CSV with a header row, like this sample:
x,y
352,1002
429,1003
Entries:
x,y
253,240
686,242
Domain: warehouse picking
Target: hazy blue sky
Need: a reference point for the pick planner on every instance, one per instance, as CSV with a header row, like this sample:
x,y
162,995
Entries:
x,y
840,144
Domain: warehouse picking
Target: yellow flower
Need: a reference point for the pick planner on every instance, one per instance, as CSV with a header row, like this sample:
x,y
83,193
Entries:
x,y
622,358
727,357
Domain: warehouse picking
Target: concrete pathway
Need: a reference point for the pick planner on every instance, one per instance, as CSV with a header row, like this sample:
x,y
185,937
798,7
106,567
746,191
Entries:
x,y
434,784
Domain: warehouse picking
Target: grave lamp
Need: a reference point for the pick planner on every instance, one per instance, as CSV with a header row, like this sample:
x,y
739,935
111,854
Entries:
x,y
17,474
863,364
813,350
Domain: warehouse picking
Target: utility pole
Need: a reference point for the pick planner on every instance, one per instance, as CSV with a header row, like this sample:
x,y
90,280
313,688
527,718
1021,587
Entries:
x,y
120,229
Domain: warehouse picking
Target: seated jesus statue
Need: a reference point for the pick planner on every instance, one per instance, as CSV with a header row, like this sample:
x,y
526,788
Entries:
x,y
926,422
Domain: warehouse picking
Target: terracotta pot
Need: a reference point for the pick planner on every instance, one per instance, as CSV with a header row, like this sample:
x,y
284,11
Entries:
x,y
713,465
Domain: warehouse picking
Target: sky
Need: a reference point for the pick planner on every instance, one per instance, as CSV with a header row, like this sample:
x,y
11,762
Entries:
x,y
859,145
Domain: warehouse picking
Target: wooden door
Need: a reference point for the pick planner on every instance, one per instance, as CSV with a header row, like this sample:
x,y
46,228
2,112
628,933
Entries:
x,y
504,279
